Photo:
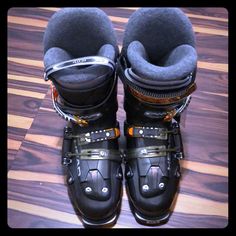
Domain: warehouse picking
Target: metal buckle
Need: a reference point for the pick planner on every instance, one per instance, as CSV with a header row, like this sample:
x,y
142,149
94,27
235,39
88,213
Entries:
x,y
95,136
99,154
85,138
81,61
146,152
179,155
66,116
66,161
153,132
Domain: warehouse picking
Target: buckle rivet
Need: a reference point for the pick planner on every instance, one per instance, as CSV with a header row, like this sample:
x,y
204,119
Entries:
x,y
107,134
104,189
141,131
144,151
145,187
161,185
88,189
70,180
102,153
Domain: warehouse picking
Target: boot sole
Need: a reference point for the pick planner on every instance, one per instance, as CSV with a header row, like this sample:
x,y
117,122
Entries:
x,y
100,224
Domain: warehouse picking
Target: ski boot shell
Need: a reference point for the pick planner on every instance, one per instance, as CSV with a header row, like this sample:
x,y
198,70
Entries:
x,y
157,66
79,59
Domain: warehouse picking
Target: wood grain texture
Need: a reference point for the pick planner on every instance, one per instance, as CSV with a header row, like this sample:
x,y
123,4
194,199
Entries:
x,y
27,79
19,121
13,144
37,194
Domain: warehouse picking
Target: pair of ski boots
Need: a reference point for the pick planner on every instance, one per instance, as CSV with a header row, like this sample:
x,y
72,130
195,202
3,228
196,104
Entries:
x,y
157,66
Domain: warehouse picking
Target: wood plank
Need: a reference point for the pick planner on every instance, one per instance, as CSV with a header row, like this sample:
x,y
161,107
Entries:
x,y
17,134
23,61
222,67
13,144
195,205
19,121
188,14
207,17
217,94
30,79
27,21
47,140
205,30
47,109
43,212
220,12
35,176
50,8
31,221
214,110
25,93
26,70
205,168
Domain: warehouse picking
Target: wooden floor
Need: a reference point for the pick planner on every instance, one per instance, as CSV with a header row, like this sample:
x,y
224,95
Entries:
x,y
37,194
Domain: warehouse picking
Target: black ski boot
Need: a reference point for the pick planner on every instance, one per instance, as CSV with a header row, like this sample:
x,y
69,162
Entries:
x,y
157,67
80,54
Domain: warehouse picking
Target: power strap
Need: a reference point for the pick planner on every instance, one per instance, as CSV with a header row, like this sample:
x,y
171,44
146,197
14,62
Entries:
x,y
81,61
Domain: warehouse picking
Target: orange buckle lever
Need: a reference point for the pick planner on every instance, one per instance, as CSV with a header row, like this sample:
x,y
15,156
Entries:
x,y
169,116
54,91
80,121
116,132
66,116
130,131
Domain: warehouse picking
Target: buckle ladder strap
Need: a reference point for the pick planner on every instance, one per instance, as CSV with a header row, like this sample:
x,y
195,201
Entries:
x,y
95,136
147,152
179,154
92,154
151,152
81,61
147,132
155,133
